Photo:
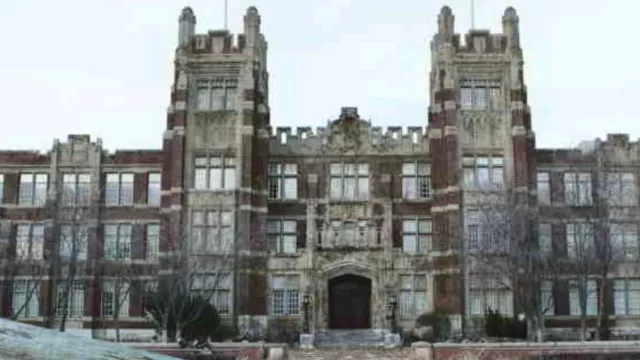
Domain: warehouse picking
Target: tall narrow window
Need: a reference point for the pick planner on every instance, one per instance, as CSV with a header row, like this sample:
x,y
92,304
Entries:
x,y
214,288
75,189
492,292
211,232
626,296
577,188
544,238
119,189
154,189
33,189
74,241
624,240
283,236
283,181
620,189
580,240
75,303
547,302
590,293
215,173
485,173
152,241
413,296
26,298
216,95
117,241
29,241
349,181
416,180
1,188
285,295
416,236
115,298
544,188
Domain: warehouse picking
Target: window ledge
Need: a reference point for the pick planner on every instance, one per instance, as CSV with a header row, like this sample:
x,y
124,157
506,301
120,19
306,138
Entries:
x,y
287,255
292,317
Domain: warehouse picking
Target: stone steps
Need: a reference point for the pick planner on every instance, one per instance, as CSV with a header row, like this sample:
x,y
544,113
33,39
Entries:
x,y
350,339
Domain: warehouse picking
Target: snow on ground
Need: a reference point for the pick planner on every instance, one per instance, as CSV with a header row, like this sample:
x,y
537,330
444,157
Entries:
x,y
21,342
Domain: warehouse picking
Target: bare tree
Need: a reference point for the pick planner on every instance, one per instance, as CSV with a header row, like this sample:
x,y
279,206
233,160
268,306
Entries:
x,y
116,291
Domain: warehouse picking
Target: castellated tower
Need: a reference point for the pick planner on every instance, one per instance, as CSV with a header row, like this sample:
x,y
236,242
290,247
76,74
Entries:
x,y
480,139
216,147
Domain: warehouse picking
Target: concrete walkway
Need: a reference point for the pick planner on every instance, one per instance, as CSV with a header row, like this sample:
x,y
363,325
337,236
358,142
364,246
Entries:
x,y
351,354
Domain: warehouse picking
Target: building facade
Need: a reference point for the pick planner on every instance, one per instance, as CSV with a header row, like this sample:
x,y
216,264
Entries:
x,y
350,225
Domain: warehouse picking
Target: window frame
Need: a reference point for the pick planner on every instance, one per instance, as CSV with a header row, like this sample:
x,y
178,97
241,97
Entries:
x,y
206,96
419,289
125,195
32,295
31,241
344,175
473,168
418,233
421,172
76,300
213,227
544,196
74,230
154,189
207,164
119,245
278,177
277,235
216,292
37,195
623,286
290,295
580,186
152,244
109,288
591,298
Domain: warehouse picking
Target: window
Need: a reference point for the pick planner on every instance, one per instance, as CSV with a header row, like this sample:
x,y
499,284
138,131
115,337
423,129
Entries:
x,y
215,173
74,240
285,295
626,296
416,180
33,189
152,241
75,303
29,241
119,189
577,189
472,221
547,302
283,181
479,95
218,94
413,296
283,237
416,236
115,298
483,172
212,232
349,181
490,293
624,240
544,188
1,188
580,240
154,189
76,189
117,242
485,233
26,298
590,293
215,289
621,189
545,240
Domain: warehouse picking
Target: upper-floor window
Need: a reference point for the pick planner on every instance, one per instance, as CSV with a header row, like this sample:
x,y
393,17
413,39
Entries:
x,y
626,296
544,188
349,181
29,241
1,188
589,292
119,189
416,180
215,173
283,181
218,94
75,189
117,241
477,95
624,240
211,232
152,241
33,189
580,240
547,300
545,241
490,292
283,236
74,242
577,188
483,172
416,236
621,189
153,189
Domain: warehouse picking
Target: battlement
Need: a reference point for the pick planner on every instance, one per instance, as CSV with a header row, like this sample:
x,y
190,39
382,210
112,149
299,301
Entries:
x,y
286,134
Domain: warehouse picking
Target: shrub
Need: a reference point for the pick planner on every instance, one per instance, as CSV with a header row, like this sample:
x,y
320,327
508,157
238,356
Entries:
x,y
439,322
497,325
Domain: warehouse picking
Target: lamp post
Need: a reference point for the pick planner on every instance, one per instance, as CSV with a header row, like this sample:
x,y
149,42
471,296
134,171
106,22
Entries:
x,y
305,311
391,311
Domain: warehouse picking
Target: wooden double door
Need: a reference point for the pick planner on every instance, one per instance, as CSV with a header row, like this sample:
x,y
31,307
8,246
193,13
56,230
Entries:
x,y
350,302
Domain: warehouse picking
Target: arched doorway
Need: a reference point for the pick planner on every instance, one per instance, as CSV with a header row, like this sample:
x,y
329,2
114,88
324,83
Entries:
x,y
349,302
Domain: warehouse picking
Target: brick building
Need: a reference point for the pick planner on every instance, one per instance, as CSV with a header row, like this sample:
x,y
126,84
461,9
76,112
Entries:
x,y
350,217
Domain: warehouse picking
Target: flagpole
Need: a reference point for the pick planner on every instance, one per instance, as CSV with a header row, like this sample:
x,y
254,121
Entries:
x,y
473,25
226,14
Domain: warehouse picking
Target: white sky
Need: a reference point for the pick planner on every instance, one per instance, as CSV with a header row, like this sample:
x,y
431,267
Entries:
x,y
104,67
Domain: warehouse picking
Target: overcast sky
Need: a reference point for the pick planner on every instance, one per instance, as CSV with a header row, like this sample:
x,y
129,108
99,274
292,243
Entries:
x,y
103,67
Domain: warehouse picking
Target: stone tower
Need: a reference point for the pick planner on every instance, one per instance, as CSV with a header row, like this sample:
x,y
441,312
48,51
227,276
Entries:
x,y
480,131
216,147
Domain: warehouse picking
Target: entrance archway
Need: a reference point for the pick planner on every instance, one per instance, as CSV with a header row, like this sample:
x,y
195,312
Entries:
x,y
349,302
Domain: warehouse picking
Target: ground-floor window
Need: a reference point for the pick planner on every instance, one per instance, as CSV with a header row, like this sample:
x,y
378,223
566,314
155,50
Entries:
x,y
591,293
489,293
413,295
26,298
75,304
285,295
626,296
